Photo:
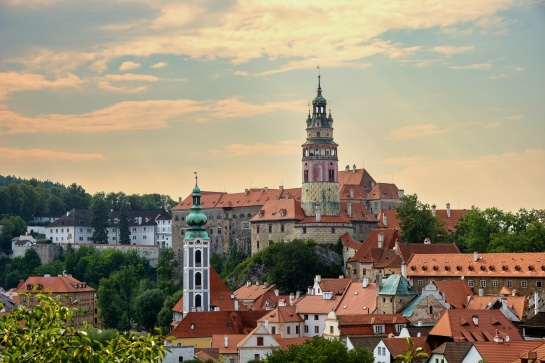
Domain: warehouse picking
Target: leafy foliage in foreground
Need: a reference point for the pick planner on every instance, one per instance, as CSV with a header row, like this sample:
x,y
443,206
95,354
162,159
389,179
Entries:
x,y
44,334
321,350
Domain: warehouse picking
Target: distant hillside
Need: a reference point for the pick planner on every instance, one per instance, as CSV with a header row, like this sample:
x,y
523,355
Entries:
x,y
48,184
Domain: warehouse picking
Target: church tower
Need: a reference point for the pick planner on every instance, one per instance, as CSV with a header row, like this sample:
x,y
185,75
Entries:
x,y
320,189
196,258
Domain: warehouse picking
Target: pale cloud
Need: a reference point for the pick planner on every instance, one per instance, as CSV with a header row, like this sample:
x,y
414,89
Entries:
x,y
159,65
130,77
464,182
13,82
241,73
138,115
38,156
282,148
416,131
125,66
249,30
449,50
478,66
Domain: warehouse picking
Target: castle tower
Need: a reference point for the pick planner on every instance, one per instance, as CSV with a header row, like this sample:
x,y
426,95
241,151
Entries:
x,y
320,187
196,258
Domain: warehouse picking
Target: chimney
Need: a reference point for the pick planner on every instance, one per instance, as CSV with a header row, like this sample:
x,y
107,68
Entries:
x,y
476,320
267,324
318,278
349,208
400,193
448,210
265,285
475,256
404,270
380,241
292,298
225,341
309,290
281,187
236,305
248,283
481,292
434,210
379,281
67,213
318,212
276,292
179,199
347,168
257,283
245,191
354,168
427,241
297,295
365,282
384,219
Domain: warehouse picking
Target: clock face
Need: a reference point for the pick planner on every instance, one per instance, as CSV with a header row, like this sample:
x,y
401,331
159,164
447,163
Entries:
x,y
198,242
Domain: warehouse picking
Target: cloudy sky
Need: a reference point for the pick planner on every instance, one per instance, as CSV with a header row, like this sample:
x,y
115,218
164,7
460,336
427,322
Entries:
x,y
444,98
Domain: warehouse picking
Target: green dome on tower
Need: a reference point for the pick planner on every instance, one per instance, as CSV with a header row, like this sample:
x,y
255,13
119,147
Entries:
x,y
196,219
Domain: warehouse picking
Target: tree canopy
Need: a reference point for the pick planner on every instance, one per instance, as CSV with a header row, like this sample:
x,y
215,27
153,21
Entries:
x,y
417,221
320,350
44,334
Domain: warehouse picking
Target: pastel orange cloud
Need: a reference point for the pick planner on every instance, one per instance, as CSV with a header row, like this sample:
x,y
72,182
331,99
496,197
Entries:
x,y
13,82
38,156
416,131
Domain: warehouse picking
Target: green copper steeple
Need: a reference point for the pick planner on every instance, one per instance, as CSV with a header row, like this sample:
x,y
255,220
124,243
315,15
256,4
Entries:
x,y
196,218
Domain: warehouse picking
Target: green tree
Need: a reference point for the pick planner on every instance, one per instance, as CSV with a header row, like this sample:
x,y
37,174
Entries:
x,y
320,350
101,214
115,298
167,271
13,226
147,306
44,335
164,317
413,354
124,226
417,221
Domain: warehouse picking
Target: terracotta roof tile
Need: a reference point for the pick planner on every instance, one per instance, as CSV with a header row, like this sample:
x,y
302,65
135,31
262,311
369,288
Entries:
x,y
281,314
356,177
388,259
390,236
286,342
282,209
384,191
518,304
454,352
218,342
55,284
252,292
358,300
455,215
459,325
486,264
391,219
503,352
335,285
398,346
347,241
208,323
408,249
455,292
315,304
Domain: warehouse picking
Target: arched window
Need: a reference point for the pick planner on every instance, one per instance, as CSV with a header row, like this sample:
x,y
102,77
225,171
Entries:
x,y
198,257
198,279
198,300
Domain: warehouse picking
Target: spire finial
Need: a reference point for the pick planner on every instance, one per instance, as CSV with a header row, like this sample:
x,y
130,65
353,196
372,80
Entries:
x,y
319,76
196,177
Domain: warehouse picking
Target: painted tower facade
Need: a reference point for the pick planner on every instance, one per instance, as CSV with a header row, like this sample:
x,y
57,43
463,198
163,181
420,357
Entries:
x,y
320,187
196,260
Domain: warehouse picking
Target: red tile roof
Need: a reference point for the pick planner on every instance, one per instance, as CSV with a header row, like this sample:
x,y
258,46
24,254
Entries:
x,y
390,236
518,304
388,259
408,249
504,352
208,323
487,264
315,304
251,197
282,314
363,324
459,325
218,341
252,292
384,191
455,292
336,286
283,209
55,284
347,241
391,219
397,346
455,215
286,342
358,300
356,177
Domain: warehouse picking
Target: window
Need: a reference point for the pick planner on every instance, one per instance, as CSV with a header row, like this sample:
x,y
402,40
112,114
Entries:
x,y
470,283
304,230
198,279
316,330
133,237
219,230
306,328
420,282
332,229
289,330
306,316
331,329
315,317
524,284
245,225
257,229
482,283
258,245
273,330
297,329
509,283
378,329
495,283
539,285
259,341
270,228
257,357
180,359
282,228
145,237
211,231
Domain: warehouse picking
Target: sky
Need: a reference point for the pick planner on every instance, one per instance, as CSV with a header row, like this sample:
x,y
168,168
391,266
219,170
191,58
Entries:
x,y
446,99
